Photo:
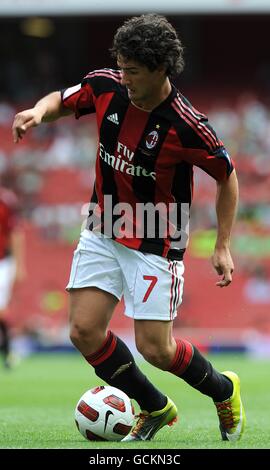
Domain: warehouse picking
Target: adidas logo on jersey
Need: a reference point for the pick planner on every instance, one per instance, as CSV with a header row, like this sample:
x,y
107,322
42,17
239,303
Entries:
x,y
113,118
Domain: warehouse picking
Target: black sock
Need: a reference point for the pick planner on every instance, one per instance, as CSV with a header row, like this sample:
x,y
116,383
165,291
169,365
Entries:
x,y
115,364
194,369
201,375
5,342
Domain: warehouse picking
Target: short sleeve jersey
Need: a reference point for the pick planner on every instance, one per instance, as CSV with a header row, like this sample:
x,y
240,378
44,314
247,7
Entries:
x,y
145,158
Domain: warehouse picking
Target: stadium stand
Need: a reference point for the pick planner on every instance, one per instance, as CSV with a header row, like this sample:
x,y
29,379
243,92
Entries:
x,y
53,171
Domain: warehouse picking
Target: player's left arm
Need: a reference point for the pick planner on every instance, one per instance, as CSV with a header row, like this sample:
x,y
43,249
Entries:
x,y
226,207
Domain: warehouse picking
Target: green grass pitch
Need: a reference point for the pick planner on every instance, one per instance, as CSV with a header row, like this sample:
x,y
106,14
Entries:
x,y
37,401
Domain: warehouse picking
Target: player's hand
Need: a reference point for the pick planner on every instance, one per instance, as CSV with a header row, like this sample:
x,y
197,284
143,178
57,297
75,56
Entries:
x,y
24,121
223,264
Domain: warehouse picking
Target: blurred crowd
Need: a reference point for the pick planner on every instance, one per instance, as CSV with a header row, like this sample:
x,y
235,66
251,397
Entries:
x,y
52,170
68,148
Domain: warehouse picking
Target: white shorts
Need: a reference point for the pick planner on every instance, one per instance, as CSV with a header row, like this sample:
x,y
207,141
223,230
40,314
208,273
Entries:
x,y
7,275
152,286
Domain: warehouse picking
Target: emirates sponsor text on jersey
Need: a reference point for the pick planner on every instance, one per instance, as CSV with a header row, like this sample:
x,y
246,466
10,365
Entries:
x,y
118,163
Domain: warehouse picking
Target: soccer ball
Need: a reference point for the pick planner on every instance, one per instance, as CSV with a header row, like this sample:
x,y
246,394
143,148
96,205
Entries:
x,y
104,413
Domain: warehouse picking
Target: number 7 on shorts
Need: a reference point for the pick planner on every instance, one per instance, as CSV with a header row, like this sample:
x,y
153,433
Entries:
x,y
153,282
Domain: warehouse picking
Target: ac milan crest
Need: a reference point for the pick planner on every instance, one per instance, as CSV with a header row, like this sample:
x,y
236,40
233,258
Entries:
x,y
152,139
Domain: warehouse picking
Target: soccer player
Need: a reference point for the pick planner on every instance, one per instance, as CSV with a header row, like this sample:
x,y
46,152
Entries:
x,y
150,136
11,263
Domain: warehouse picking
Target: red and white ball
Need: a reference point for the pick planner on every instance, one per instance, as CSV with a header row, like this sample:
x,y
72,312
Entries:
x,y
104,413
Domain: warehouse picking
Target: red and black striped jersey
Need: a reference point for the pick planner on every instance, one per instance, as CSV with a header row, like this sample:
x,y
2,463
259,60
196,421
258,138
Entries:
x,y
145,157
8,219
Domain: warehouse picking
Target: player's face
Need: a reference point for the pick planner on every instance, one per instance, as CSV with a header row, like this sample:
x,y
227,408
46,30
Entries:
x,y
142,84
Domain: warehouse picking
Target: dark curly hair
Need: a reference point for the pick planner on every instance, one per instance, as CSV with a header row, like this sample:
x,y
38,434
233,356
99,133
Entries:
x,y
151,41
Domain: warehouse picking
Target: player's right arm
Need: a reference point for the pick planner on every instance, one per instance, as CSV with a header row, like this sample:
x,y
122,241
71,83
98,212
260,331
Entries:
x,y
49,108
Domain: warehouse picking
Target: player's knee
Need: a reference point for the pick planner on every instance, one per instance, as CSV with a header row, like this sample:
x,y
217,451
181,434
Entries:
x,y
80,334
86,338
156,355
